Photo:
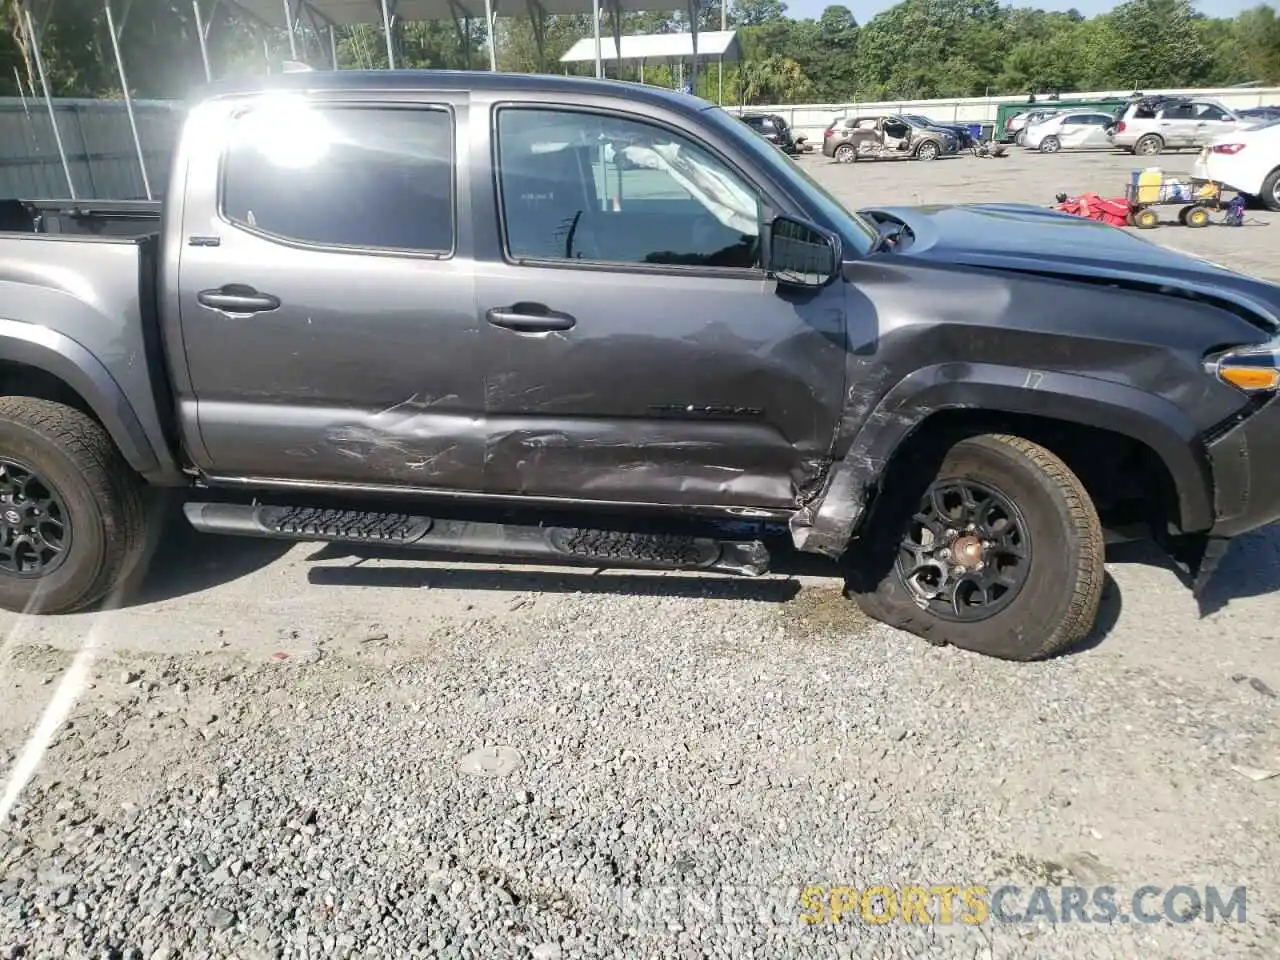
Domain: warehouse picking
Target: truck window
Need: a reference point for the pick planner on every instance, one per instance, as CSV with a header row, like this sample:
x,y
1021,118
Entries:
x,y
585,186
365,177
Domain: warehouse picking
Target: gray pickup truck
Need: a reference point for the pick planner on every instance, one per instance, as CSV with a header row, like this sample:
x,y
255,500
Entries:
x,y
557,319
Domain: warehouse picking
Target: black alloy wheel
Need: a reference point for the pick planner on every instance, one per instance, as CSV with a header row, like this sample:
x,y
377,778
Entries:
x,y
967,552
35,529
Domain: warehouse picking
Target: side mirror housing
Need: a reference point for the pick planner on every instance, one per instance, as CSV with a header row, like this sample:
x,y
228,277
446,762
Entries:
x,y
802,254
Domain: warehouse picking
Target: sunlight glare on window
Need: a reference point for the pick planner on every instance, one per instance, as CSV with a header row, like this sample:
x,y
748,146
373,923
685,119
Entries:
x,y
287,132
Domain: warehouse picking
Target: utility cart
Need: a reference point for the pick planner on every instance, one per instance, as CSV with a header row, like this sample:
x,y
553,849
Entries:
x,y
1194,197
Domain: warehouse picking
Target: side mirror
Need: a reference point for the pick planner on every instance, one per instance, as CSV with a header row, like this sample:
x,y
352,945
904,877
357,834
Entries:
x,y
801,254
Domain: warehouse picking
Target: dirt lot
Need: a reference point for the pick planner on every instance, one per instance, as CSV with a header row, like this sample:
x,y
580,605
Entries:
x,y
278,752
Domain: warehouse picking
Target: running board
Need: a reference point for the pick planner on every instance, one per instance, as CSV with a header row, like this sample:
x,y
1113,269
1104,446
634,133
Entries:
x,y
583,545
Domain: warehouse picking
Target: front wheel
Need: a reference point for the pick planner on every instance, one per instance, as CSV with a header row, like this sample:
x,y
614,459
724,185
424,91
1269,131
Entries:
x,y
72,520
928,151
999,551
1050,145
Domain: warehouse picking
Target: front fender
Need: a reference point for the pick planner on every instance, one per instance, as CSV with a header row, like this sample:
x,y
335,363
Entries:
x,y
827,524
58,355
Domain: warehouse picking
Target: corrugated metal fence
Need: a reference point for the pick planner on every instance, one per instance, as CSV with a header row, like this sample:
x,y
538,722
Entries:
x,y
98,143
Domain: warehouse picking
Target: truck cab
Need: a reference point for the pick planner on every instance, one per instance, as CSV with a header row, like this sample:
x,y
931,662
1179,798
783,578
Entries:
x,y
581,321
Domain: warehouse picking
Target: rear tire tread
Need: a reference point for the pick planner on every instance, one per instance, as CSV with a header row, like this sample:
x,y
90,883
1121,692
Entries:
x,y
111,482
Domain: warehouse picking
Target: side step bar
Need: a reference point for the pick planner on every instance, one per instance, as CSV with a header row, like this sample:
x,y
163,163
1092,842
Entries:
x,y
564,544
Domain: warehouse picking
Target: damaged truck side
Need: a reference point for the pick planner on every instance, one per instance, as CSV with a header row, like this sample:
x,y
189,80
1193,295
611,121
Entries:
x,y
558,319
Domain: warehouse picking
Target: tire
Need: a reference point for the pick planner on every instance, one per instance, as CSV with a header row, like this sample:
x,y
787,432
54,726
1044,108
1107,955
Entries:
x,y
1050,145
1195,217
74,461
1270,194
1145,219
1148,145
927,151
845,153
1056,605
1021,138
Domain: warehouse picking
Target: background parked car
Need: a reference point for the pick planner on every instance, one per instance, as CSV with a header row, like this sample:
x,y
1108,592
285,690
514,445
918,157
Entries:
x,y
963,135
869,137
1016,129
774,129
1254,114
1246,160
1084,130
1154,124
1006,112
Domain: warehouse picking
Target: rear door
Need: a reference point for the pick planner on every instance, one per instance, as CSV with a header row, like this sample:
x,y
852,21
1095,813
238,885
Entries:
x,y
1178,124
1089,131
635,349
327,297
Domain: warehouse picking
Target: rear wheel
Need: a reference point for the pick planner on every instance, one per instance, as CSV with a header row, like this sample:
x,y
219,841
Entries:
x,y
845,153
927,151
1149,146
1050,145
1195,217
72,521
1270,195
997,550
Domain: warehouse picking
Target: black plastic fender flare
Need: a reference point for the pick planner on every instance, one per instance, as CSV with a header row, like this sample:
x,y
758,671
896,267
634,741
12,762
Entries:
x,y
827,524
59,356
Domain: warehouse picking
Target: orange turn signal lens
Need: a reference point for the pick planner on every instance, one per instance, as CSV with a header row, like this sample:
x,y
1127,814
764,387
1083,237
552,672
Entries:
x,y
1251,378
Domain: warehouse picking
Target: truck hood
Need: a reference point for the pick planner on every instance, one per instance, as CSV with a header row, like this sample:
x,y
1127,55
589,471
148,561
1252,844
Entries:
x,y
1033,239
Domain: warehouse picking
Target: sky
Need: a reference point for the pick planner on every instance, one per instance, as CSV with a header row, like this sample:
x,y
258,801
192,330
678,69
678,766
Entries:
x,y
864,10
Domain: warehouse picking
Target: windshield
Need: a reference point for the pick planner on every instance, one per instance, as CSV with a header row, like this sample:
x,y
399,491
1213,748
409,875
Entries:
x,y
855,231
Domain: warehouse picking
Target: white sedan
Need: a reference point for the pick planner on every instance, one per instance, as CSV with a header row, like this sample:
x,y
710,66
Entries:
x,y
1081,130
1246,160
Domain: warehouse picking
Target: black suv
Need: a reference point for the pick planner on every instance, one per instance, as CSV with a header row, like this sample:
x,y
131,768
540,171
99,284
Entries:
x,y
774,129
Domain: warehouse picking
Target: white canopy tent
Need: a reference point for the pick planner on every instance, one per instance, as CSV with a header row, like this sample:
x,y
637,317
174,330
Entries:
x,y
663,48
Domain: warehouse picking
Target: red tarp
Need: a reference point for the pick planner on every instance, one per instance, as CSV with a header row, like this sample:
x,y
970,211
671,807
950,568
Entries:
x,y
1112,210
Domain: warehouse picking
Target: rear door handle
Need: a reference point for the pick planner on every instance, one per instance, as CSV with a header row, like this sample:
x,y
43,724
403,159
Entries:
x,y
239,299
529,318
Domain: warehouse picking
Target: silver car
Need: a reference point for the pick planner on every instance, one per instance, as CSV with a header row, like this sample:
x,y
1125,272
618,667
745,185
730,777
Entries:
x,y
1081,130
1149,127
1019,123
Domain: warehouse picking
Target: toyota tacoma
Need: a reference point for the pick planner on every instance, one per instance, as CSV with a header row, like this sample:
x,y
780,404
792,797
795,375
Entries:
x,y
560,319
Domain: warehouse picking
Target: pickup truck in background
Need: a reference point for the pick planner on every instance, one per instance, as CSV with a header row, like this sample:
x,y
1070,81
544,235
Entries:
x,y
559,319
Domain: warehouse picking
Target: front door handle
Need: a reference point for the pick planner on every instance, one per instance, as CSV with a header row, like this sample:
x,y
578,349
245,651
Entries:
x,y
529,318
237,298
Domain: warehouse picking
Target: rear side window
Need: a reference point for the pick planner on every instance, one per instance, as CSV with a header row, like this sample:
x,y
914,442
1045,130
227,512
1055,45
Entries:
x,y
378,178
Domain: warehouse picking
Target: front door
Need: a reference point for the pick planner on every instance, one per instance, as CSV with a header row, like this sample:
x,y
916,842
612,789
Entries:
x,y
327,299
1211,120
635,350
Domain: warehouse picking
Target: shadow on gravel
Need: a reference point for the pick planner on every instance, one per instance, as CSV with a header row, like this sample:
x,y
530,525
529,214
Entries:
x,y
1251,567
181,561
474,574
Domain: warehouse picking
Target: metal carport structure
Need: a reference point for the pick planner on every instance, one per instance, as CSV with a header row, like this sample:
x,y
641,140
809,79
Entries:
x,y
326,15
645,48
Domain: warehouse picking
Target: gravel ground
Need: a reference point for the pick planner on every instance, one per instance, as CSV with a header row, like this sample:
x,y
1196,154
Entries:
x,y
296,752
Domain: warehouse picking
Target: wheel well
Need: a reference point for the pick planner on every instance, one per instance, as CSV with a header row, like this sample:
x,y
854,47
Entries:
x,y
21,380
1127,481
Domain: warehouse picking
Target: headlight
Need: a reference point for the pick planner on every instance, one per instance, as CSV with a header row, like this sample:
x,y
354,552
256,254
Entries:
x,y
1251,369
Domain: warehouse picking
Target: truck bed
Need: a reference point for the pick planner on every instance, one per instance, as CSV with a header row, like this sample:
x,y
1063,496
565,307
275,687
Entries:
x,y
99,218
95,298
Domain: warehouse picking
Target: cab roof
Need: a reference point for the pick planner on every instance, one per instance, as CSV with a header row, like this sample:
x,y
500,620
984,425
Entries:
x,y
560,87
